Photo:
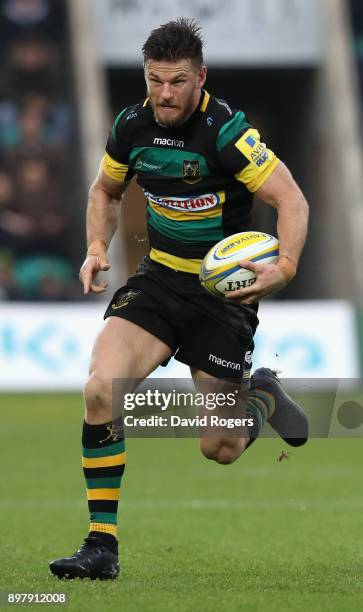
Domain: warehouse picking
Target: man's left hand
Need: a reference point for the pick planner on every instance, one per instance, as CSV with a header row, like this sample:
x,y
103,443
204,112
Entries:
x,y
270,278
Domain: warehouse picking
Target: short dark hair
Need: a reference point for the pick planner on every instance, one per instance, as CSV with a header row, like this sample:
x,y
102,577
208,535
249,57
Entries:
x,y
175,41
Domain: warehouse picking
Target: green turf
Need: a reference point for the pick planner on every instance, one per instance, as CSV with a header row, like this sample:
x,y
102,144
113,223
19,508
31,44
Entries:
x,y
258,535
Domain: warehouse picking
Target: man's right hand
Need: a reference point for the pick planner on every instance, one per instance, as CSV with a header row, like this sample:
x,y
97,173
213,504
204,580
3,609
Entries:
x,y
95,262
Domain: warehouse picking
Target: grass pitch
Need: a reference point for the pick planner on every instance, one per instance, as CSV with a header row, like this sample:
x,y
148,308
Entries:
x,y
260,534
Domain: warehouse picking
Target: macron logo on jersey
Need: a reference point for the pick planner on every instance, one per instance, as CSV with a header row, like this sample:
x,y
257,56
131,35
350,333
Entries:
x,y
170,142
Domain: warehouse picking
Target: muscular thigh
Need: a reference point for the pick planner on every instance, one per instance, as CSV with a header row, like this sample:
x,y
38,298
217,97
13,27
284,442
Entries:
x,y
125,350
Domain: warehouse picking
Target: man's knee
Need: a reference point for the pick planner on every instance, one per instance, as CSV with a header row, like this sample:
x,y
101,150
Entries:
x,y
220,452
209,448
98,392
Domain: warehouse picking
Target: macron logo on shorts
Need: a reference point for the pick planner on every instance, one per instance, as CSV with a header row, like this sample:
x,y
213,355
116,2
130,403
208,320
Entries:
x,y
224,362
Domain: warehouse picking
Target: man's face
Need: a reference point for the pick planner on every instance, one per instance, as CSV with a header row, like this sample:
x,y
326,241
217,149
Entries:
x,y
174,90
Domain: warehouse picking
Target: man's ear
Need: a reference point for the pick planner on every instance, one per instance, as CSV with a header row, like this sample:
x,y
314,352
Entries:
x,y
202,76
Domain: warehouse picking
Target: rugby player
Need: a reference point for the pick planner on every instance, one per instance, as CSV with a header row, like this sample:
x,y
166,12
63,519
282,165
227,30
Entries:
x,y
199,163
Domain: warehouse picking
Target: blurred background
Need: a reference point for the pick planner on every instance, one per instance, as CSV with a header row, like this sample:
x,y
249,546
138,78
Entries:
x,y
294,66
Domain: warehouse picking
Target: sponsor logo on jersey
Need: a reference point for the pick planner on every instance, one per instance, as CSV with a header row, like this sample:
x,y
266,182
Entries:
x,y
132,115
143,165
260,156
249,144
251,141
170,142
202,202
191,170
223,362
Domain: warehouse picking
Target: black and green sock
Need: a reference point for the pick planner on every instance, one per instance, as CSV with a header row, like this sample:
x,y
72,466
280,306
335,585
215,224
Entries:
x,y
260,407
103,461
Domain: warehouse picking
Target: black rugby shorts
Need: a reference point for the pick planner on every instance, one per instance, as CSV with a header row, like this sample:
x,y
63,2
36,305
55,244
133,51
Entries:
x,y
212,334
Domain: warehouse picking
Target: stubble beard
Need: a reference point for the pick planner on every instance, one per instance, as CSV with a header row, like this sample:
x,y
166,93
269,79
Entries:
x,y
168,124
174,122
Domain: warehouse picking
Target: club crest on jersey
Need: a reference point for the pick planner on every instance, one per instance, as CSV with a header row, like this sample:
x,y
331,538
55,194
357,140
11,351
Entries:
x,y
191,171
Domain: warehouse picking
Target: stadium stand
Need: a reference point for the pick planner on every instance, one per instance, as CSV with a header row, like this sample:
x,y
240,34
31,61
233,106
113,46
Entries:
x,y
38,259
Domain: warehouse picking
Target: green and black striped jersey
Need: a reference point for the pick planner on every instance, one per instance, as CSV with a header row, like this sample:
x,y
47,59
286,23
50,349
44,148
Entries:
x,y
198,178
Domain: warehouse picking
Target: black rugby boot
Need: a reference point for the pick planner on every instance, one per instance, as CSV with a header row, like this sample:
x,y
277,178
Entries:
x,y
93,560
288,419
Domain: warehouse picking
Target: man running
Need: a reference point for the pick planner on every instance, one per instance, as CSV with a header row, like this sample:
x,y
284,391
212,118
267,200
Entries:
x,y
199,163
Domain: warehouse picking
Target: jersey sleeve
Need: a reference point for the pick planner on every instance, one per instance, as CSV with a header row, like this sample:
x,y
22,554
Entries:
x,y
115,162
243,155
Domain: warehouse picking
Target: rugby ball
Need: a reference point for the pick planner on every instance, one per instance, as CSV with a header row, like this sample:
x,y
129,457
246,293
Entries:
x,y
220,272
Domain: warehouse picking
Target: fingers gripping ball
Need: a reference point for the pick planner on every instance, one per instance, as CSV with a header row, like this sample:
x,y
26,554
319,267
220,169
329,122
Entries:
x,y
220,271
